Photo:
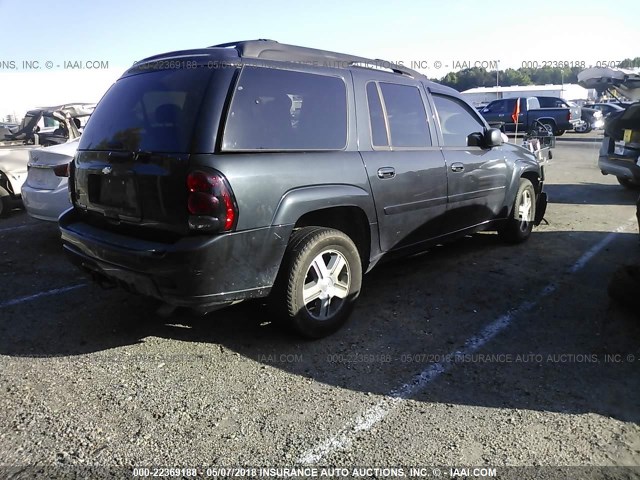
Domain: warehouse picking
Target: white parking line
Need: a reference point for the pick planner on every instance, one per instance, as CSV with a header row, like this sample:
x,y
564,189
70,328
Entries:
x,y
343,439
46,293
10,229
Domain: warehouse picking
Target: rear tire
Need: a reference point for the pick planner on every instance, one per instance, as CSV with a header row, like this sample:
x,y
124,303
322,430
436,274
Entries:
x,y
319,281
519,225
6,205
630,184
584,128
623,286
558,133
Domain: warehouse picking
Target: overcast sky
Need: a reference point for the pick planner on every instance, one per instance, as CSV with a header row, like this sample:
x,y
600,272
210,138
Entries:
x,y
120,32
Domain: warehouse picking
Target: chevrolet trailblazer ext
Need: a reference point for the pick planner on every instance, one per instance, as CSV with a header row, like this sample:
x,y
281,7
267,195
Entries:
x,y
256,169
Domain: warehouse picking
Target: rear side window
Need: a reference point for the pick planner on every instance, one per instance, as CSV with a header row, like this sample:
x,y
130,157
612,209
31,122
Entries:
x,y
154,111
407,117
456,121
376,117
285,110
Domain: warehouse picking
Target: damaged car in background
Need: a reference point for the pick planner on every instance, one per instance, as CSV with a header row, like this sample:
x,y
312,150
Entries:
x,y
45,194
620,150
42,127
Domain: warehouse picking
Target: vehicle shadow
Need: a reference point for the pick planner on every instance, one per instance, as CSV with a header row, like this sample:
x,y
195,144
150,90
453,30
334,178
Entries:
x,y
412,313
591,194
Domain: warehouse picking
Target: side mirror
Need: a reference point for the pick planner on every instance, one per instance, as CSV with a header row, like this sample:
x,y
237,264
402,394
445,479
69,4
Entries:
x,y
493,138
475,140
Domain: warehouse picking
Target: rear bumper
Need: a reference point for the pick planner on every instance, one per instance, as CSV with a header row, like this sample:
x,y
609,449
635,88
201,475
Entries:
x,y
623,166
620,167
196,271
45,204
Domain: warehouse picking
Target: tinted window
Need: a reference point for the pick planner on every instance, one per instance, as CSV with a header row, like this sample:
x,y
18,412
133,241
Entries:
x,y
284,110
496,107
510,105
456,121
551,102
406,115
154,111
376,117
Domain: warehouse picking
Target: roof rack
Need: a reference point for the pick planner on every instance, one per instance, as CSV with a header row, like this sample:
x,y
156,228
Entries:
x,y
272,50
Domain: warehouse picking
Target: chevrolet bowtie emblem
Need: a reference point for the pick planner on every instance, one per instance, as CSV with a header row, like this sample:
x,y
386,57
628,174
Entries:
x,y
107,170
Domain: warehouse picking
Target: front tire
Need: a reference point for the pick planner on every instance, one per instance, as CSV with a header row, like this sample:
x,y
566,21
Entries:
x,y
5,203
319,281
519,225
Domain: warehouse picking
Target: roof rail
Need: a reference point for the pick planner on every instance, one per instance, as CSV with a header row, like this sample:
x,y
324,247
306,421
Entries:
x,y
272,50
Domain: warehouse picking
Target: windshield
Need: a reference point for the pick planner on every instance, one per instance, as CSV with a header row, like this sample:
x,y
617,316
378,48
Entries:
x,y
154,111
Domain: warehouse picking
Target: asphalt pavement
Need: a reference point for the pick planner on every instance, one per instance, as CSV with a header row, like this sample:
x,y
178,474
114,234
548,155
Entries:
x,y
475,353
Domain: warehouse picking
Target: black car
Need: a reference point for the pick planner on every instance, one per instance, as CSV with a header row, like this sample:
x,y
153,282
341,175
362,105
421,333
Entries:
x,y
591,119
606,108
211,176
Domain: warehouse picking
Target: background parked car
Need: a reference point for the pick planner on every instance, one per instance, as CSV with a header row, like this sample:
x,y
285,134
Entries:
x,y
557,102
558,119
45,193
606,108
592,119
42,127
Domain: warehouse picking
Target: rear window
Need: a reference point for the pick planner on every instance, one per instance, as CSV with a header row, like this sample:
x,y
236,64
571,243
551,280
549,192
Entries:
x,y
551,102
286,110
154,111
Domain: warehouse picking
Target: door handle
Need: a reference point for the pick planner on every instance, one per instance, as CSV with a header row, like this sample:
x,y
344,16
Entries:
x,y
386,172
457,167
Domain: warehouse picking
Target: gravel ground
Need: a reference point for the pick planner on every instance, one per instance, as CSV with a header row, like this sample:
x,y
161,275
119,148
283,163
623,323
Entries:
x,y
94,378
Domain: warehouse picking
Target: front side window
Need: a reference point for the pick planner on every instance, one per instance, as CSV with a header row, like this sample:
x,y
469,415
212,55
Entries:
x,y
456,121
406,115
285,110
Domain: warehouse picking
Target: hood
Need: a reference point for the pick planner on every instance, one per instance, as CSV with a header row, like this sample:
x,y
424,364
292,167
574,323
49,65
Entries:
x,y
54,155
625,82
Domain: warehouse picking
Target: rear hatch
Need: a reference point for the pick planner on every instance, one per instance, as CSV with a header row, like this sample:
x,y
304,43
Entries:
x,y
624,130
133,157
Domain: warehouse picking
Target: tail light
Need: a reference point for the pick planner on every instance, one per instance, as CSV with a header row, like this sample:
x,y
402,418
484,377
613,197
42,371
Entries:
x,y
61,170
569,115
210,202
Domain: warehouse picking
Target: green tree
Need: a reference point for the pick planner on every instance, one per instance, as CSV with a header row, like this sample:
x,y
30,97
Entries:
x,y
630,63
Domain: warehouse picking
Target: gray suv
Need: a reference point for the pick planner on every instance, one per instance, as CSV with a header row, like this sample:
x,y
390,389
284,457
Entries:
x,y
258,169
